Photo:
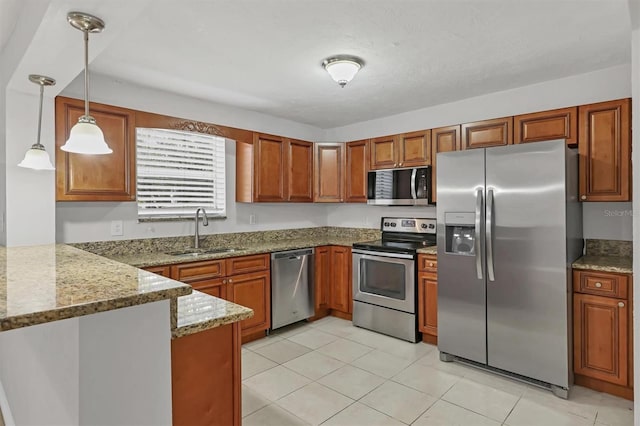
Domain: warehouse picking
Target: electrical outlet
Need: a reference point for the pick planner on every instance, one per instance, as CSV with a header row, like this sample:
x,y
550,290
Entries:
x,y
252,219
117,228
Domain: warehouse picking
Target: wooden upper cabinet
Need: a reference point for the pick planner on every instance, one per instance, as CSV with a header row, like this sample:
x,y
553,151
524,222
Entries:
x,y
600,338
357,166
383,152
414,149
329,171
270,163
486,133
546,125
443,139
605,151
300,180
110,177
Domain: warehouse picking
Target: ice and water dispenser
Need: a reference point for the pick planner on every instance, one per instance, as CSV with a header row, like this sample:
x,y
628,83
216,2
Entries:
x,y
460,230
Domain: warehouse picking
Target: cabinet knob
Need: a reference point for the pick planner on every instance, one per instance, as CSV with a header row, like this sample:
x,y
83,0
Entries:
x,y
621,304
224,281
401,164
584,197
230,280
395,164
598,284
431,264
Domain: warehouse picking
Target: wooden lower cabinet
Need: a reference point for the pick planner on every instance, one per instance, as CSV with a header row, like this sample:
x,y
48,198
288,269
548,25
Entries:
x,y
341,299
217,287
602,333
322,281
252,290
428,298
206,377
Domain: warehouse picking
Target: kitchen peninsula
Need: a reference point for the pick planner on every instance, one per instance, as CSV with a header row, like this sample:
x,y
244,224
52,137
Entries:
x,y
87,340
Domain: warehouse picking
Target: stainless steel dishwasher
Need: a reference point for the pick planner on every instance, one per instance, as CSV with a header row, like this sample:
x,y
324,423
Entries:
x,y
292,289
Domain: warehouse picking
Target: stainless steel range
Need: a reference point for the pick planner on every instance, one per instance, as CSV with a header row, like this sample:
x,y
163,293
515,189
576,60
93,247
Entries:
x,y
384,277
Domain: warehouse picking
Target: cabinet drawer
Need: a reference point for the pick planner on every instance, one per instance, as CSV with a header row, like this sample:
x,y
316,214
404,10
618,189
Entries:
x,y
216,287
601,283
244,264
198,271
164,270
427,263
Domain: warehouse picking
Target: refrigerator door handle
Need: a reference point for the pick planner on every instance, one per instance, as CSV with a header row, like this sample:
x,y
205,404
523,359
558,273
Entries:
x,y
478,233
414,193
489,231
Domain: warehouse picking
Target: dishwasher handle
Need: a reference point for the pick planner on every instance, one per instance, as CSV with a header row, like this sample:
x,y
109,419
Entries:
x,y
292,254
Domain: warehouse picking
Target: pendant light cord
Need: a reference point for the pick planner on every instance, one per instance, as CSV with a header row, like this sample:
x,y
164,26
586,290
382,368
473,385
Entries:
x,y
40,113
86,73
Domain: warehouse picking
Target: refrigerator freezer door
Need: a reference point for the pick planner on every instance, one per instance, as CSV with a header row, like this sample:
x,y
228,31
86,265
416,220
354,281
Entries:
x,y
527,323
461,294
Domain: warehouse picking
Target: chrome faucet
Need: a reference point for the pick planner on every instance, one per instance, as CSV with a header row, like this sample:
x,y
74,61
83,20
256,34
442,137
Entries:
x,y
205,222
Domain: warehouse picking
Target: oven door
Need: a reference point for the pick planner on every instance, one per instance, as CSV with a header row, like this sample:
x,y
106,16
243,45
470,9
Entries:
x,y
385,279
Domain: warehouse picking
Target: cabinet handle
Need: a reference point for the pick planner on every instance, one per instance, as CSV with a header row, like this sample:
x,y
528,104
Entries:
x,y
584,197
621,304
598,284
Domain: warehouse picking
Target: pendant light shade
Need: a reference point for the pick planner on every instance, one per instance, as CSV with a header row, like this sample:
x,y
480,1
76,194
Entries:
x,y
86,137
342,68
37,158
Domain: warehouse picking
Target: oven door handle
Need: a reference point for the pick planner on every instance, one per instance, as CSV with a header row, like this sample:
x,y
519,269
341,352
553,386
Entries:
x,y
383,254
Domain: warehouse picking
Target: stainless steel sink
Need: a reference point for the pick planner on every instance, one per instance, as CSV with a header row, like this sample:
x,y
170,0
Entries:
x,y
192,252
220,250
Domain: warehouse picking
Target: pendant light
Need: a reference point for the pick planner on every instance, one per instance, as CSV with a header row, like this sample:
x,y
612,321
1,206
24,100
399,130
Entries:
x,y
36,157
86,137
342,68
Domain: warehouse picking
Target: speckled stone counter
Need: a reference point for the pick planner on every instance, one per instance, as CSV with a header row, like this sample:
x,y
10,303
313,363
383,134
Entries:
x,y
428,250
619,264
41,284
199,311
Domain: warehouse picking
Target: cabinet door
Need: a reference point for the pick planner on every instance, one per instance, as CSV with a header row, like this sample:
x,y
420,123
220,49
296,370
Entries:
x,y
341,292
322,278
443,139
356,171
198,271
428,304
605,151
109,177
600,346
547,125
383,152
300,177
253,291
270,163
217,287
486,133
329,169
414,149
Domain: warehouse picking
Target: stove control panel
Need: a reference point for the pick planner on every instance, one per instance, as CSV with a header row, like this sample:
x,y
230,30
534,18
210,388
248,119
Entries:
x,y
408,224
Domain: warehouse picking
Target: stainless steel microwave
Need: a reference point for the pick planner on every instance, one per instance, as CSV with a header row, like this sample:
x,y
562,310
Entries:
x,y
399,187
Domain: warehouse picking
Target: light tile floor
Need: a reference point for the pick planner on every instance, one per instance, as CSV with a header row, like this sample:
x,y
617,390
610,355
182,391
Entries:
x,y
332,373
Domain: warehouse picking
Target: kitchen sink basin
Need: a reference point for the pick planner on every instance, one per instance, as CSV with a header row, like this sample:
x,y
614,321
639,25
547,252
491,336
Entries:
x,y
193,252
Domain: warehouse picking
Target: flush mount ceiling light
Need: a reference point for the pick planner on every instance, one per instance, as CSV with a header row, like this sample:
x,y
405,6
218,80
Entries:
x,y
36,157
342,68
86,137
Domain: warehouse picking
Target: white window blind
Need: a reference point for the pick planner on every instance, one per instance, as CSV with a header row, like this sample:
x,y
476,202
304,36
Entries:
x,y
177,172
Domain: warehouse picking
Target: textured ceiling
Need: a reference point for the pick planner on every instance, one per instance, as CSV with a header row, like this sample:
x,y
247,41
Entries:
x,y
265,55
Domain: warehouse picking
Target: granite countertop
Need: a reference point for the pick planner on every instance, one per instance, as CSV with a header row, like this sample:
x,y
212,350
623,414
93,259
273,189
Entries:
x,y
428,250
40,284
199,311
619,264
147,259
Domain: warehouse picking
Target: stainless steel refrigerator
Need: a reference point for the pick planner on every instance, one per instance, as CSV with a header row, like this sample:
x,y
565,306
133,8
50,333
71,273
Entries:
x,y
509,225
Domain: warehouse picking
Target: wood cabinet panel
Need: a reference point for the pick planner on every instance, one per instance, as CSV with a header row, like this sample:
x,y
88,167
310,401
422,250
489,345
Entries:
x,y
443,139
601,347
357,159
427,304
110,177
601,283
245,264
270,163
486,133
252,290
164,270
216,287
427,263
414,149
322,279
341,291
383,152
205,378
329,169
605,151
300,177
198,271
546,125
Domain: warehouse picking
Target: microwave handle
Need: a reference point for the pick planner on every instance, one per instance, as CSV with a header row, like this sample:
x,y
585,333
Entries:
x,y
414,176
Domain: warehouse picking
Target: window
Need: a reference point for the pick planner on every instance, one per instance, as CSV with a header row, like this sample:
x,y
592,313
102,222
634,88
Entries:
x,y
177,172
